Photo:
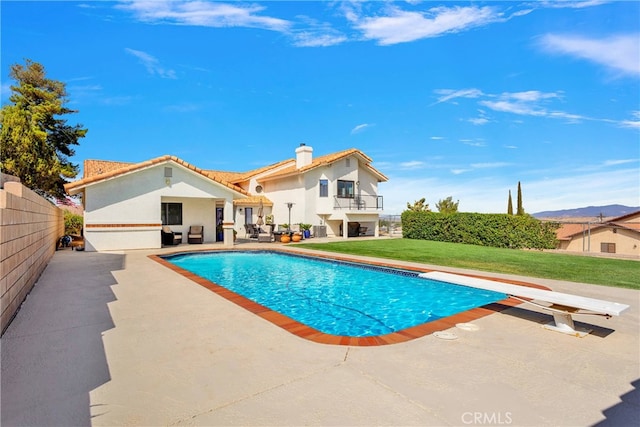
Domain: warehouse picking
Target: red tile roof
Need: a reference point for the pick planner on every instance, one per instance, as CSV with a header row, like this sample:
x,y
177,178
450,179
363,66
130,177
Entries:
x,y
569,230
326,160
100,170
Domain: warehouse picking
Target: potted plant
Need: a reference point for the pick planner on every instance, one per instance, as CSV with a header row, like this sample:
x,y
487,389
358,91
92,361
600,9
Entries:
x,y
306,230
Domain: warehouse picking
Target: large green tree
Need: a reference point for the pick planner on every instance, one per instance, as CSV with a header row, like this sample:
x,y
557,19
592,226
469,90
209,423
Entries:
x,y
447,206
510,205
36,141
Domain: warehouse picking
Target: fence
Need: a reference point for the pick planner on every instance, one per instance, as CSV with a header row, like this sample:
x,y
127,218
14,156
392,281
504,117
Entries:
x,y
30,227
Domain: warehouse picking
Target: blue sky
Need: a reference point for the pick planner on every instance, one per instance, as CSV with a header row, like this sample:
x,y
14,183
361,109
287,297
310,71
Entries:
x,y
460,99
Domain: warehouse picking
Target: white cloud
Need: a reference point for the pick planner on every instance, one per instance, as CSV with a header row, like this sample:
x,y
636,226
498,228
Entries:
x,y
206,14
437,138
473,143
530,95
513,107
492,165
414,164
151,64
572,4
619,162
360,128
459,171
479,121
525,103
633,123
315,39
530,103
399,26
449,94
315,33
620,53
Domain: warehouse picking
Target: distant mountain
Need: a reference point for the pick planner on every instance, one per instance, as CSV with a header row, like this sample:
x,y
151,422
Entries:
x,y
589,211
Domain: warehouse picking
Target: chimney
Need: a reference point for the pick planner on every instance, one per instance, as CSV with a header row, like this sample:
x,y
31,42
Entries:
x,y
303,156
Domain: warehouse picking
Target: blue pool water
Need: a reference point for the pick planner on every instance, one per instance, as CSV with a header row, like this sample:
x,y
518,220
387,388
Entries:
x,y
335,297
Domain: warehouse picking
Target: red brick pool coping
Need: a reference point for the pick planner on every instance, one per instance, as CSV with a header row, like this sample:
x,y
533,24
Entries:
x,y
308,333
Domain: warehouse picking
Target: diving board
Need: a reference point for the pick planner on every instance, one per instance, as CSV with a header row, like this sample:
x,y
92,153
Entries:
x,y
562,305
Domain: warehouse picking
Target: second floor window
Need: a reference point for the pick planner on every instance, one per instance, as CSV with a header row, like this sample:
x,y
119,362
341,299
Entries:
x,y
324,188
345,189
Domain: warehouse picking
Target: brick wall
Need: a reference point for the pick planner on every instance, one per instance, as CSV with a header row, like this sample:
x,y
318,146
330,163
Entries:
x,y
30,227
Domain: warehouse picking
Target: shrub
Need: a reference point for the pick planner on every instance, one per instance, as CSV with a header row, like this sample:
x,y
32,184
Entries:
x,y
72,223
496,230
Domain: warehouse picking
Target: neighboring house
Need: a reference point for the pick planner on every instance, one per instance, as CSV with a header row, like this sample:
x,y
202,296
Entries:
x,y
126,204
619,235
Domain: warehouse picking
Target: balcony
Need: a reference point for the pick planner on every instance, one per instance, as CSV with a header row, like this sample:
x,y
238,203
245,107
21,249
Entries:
x,y
359,203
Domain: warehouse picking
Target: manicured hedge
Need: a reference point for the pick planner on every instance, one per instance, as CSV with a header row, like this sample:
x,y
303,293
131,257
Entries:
x,y
496,230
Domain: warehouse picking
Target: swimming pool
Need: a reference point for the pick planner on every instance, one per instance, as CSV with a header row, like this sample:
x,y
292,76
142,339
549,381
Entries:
x,y
334,297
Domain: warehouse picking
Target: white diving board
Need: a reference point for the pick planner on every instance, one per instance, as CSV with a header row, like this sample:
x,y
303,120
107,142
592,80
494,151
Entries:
x,y
562,305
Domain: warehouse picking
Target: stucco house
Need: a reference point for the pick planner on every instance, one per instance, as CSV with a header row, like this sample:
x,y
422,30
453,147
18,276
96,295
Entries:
x,y
127,204
619,235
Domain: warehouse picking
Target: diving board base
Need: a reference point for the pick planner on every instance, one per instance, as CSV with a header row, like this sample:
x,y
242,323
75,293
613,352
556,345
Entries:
x,y
562,322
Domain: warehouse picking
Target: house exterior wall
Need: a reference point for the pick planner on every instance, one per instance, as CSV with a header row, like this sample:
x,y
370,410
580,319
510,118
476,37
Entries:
x,y
125,212
627,242
304,191
287,190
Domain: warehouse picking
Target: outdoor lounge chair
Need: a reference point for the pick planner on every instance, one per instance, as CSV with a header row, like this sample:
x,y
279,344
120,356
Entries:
x,y
196,234
170,237
266,235
251,231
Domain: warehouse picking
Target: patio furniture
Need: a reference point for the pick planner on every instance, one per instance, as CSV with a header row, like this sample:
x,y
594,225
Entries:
x,y
362,231
196,234
251,231
266,234
170,237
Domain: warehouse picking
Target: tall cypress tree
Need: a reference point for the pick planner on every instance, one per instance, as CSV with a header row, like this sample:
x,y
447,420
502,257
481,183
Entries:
x,y
520,208
510,205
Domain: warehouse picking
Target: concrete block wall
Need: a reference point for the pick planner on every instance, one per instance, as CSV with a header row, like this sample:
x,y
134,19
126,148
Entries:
x,y
30,227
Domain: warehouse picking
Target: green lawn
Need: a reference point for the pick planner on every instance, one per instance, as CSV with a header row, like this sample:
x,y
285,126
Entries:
x,y
574,268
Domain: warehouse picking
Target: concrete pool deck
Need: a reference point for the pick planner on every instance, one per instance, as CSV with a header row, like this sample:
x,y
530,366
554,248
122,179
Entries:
x,y
114,338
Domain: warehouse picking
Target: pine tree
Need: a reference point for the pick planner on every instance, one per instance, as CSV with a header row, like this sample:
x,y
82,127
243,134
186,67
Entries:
x,y
36,142
520,208
510,205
